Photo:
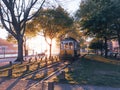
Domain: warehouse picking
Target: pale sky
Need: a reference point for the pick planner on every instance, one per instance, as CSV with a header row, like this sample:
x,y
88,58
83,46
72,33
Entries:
x,y
3,33
70,5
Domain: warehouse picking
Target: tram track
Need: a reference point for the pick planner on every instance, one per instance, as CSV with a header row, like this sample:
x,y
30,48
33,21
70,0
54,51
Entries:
x,y
39,70
55,72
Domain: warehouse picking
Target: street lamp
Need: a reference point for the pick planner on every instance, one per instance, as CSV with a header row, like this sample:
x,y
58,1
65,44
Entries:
x,y
3,50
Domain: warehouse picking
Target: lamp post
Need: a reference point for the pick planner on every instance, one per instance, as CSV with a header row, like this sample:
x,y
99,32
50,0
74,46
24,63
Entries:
x,y
3,50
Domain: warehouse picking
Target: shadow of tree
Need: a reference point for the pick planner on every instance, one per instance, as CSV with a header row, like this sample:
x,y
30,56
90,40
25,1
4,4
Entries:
x,y
13,84
3,79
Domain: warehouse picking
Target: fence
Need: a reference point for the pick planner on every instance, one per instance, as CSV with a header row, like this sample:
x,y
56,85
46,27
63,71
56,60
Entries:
x,y
20,68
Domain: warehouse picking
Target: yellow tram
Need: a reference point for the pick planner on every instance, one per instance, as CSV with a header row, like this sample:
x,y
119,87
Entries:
x,y
69,49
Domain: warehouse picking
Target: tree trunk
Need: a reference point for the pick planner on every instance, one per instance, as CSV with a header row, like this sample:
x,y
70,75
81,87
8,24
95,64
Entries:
x,y
50,50
25,48
106,47
101,50
20,50
24,45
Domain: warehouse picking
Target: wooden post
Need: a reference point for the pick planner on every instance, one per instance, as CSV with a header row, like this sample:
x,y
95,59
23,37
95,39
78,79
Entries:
x,y
56,59
36,59
30,60
10,72
52,59
69,68
50,86
41,59
62,75
46,61
10,63
27,68
38,65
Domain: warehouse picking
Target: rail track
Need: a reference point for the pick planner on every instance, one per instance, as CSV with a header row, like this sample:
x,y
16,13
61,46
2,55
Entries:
x,y
58,68
40,70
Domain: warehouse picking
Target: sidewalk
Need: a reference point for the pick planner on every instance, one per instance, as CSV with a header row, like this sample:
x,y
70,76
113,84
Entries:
x,y
14,84
19,84
81,87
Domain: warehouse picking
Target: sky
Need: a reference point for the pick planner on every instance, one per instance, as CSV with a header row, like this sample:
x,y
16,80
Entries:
x,y
3,33
70,5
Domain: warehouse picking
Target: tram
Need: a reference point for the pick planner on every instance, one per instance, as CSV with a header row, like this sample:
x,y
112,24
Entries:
x,y
69,49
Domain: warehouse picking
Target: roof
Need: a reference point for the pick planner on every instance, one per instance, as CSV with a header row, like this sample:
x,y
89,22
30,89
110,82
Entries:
x,y
69,39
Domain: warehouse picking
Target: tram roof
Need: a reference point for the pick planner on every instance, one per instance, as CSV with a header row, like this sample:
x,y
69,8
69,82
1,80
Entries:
x,y
69,39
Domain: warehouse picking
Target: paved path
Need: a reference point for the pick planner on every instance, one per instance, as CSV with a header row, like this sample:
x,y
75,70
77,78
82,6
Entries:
x,y
81,87
14,84
19,84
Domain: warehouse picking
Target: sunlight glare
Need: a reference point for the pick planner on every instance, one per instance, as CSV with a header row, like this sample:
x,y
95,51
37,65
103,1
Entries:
x,y
38,45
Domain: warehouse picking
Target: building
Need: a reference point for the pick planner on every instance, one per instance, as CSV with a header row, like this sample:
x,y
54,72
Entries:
x,y
7,47
115,46
110,46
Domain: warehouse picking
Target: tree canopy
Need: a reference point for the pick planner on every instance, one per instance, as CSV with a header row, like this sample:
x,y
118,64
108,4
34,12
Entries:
x,y
53,22
97,17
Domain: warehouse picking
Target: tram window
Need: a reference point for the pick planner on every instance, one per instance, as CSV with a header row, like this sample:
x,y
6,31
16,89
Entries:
x,y
62,45
71,45
66,46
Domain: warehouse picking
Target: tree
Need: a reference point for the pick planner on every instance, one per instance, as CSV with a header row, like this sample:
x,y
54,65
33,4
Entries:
x,y
97,16
53,22
14,15
97,44
30,32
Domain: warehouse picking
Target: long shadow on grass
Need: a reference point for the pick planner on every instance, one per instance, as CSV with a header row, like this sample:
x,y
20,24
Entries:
x,y
96,73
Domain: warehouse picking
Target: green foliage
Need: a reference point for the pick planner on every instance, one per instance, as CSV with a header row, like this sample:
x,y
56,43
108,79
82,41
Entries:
x,y
96,45
32,30
54,21
10,38
96,17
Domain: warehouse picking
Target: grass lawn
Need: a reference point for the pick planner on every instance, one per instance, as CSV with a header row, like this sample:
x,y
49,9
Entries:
x,y
90,72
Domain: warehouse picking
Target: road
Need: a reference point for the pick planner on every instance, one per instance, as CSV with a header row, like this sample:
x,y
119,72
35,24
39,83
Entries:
x,y
5,61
